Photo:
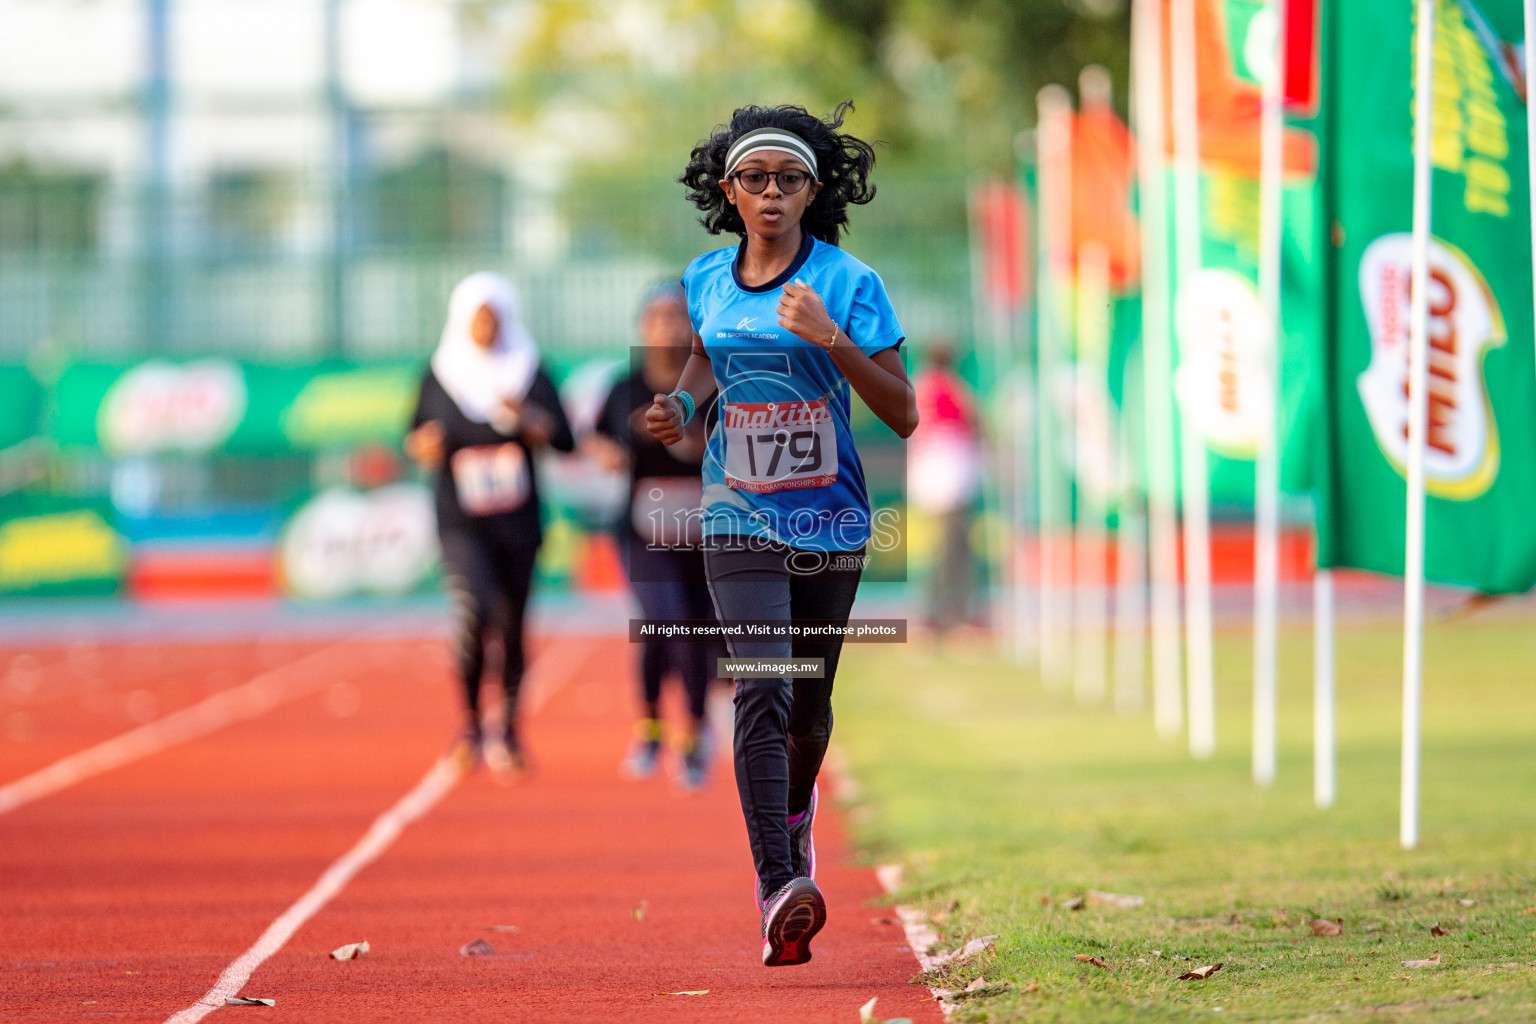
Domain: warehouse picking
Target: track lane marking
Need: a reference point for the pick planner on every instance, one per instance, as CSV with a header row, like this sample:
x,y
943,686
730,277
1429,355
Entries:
x,y
555,666
236,704
435,785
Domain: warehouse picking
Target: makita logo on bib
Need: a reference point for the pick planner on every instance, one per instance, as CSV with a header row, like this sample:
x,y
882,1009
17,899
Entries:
x,y
773,415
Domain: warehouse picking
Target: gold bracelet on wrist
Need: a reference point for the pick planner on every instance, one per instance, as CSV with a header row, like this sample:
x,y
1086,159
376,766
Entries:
x,y
833,342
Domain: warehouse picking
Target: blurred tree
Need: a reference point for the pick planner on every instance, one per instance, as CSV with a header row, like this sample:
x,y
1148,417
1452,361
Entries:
x,y
967,71
943,82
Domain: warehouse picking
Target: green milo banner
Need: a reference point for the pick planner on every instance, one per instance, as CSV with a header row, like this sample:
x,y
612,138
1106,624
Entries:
x,y
1480,467
1223,380
207,405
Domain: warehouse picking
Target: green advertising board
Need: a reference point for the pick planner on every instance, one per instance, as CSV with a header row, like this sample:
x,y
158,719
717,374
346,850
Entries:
x,y
1480,470
209,405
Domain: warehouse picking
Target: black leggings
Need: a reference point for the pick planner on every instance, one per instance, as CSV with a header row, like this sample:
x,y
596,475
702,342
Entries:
x,y
782,725
669,584
488,582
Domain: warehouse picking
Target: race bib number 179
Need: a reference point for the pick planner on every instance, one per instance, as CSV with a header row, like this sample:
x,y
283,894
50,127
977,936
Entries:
x,y
779,446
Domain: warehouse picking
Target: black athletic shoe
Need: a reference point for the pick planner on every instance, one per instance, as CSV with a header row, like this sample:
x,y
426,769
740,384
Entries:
x,y
802,845
790,917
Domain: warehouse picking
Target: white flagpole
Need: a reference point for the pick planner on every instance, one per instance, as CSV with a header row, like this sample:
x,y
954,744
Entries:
x,y
997,457
1266,547
1054,142
1090,662
1194,476
1418,406
1130,555
1157,370
1323,701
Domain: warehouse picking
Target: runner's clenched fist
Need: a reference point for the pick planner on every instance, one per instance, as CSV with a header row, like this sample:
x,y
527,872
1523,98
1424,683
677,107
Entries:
x,y
802,312
664,419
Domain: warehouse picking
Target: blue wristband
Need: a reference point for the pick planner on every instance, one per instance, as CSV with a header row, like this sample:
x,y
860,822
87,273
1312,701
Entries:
x,y
686,400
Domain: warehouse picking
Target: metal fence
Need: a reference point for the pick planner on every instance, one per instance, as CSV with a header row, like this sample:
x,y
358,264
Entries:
x,y
258,271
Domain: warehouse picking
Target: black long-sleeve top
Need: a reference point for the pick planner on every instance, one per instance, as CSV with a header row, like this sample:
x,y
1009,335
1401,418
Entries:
x,y
488,481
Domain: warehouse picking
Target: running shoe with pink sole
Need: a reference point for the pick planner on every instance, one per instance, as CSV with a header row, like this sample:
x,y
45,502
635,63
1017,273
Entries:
x,y
790,918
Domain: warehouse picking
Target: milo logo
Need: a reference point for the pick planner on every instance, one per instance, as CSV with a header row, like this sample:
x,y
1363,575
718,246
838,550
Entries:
x,y
343,543
1223,384
160,406
1461,455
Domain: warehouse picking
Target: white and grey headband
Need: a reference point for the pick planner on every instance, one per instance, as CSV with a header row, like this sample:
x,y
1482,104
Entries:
x,y
769,138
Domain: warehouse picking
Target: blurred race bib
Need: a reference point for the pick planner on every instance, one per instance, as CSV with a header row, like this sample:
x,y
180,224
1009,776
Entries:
x,y
491,478
779,446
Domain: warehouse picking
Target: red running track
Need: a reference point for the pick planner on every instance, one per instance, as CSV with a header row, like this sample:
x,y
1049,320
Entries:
x,y
126,895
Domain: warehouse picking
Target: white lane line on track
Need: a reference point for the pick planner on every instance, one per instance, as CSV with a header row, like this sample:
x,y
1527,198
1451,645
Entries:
x,y
554,667
237,704
386,828
920,936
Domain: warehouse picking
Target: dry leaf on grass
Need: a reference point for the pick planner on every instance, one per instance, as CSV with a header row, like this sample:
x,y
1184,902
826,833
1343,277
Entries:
x,y
1031,987
1114,899
501,928
1433,961
1085,958
1321,926
970,949
1437,931
978,987
638,913
351,951
248,1001
1200,973
477,947
1528,910
1075,903
689,992
1467,903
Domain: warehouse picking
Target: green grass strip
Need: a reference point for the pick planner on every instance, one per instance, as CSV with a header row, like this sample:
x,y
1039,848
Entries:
x,y
1006,803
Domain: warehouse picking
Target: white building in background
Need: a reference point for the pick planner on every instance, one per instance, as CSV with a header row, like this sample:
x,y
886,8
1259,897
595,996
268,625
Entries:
x,y
247,78
251,180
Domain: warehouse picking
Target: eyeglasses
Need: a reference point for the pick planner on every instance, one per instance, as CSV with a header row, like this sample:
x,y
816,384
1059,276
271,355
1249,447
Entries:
x,y
755,180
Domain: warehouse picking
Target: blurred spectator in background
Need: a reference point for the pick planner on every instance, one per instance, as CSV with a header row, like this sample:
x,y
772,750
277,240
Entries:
x,y
944,481
660,529
486,406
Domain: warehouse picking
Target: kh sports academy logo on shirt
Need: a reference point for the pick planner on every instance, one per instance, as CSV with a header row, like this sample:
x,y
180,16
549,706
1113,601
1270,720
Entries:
x,y
1461,456
746,323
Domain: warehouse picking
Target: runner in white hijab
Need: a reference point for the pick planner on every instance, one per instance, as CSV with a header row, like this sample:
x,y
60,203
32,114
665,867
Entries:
x,y
481,379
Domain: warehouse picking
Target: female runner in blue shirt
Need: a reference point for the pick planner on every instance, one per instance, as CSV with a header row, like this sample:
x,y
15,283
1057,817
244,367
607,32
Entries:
x,y
786,324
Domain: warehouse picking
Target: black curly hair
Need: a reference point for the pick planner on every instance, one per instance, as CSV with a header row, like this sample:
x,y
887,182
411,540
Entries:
x,y
843,164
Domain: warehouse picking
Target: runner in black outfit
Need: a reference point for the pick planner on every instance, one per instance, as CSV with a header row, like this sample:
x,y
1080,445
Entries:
x,y
486,405
659,533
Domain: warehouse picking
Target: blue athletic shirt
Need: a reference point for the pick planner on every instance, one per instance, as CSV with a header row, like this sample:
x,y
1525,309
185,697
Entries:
x,y
781,462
